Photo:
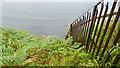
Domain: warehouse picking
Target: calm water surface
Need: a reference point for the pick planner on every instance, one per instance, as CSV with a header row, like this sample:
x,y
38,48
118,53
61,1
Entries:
x,y
42,18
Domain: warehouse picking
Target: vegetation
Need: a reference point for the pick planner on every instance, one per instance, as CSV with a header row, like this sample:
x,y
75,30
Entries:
x,y
21,49
116,48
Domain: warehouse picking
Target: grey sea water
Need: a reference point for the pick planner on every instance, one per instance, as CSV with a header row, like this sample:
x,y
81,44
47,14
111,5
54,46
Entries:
x,y
42,18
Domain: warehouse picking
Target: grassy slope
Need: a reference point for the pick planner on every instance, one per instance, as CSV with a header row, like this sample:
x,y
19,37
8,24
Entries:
x,y
21,49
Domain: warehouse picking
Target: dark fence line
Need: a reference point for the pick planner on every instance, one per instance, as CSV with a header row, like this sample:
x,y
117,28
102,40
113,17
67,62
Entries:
x,y
88,30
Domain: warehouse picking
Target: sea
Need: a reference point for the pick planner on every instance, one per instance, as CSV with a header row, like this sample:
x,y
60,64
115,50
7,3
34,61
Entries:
x,y
42,18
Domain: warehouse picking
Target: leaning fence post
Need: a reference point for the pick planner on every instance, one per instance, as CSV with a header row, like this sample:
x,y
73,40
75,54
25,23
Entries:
x,y
71,30
101,25
97,26
110,34
93,15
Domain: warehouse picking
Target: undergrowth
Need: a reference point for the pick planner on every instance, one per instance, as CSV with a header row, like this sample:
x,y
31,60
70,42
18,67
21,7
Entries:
x,y
111,49
19,48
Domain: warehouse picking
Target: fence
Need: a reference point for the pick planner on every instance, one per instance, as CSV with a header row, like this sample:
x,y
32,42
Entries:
x,y
96,33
